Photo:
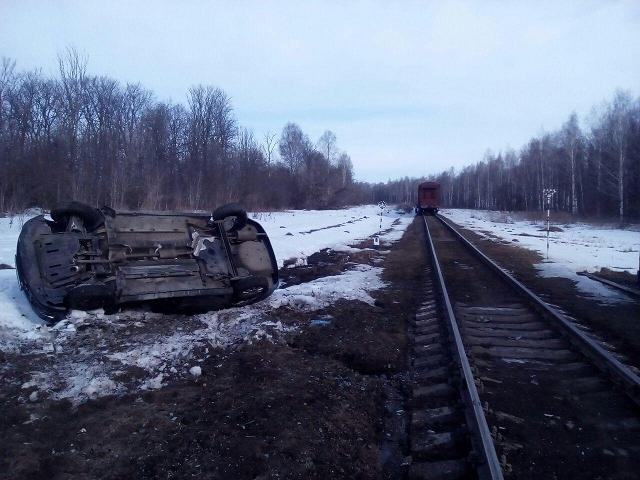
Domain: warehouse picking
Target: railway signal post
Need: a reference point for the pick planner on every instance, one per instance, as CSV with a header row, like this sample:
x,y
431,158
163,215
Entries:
x,y
548,195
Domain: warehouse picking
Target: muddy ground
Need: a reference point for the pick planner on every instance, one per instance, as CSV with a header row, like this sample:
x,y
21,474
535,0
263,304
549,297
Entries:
x,y
625,279
311,404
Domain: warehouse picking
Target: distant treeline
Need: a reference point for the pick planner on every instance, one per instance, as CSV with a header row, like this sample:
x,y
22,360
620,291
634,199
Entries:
x,y
594,171
92,139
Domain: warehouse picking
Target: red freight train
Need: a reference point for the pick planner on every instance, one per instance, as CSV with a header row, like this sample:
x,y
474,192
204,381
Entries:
x,y
428,197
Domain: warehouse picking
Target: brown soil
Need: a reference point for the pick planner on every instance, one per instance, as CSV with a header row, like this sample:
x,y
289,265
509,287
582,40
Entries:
x,y
314,406
623,278
327,262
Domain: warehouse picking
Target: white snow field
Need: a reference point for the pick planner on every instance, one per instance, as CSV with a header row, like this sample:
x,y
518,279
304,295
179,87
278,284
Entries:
x,y
16,316
81,370
577,247
295,234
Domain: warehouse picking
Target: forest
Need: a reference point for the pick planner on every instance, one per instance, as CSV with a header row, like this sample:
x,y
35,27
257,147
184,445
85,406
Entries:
x,y
93,139
593,171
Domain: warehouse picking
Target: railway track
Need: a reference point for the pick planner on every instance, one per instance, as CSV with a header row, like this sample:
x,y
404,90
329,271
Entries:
x,y
503,385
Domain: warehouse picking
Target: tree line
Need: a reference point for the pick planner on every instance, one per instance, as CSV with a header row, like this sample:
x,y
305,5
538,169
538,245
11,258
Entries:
x,y
92,139
593,170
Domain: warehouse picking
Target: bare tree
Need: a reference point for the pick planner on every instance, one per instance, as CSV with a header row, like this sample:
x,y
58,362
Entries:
x,y
7,78
268,147
327,145
620,126
571,135
72,67
345,167
293,146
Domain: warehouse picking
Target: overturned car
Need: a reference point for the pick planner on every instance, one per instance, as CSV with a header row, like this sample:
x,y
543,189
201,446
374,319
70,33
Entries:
x,y
87,258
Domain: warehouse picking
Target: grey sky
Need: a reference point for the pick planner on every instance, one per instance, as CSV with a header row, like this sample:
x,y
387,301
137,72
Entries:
x,y
409,88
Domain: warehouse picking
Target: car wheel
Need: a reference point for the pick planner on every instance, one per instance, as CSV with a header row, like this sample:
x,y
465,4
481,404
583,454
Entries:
x,y
91,217
228,211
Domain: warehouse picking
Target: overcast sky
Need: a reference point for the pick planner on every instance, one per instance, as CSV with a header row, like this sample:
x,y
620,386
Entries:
x,y
409,88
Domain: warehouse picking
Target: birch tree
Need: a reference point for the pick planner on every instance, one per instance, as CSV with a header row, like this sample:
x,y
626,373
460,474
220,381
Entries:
x,y
570,135
619,118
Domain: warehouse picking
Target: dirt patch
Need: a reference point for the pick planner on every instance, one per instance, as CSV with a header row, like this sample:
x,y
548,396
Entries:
x,y
371,339
623,278
552,228
262,410
325,263
313,405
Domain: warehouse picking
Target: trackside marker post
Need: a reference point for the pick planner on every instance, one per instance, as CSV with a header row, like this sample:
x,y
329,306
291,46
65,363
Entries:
x,y
548,194
376,239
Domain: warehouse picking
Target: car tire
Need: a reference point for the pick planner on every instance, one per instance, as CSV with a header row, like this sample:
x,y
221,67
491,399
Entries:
x,y
92,217
231,210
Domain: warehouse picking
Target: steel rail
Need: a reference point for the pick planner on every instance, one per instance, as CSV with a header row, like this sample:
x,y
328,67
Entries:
x,y
604,360
488,464
633,292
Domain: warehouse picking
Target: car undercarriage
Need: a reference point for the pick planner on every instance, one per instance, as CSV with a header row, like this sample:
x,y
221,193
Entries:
x,y
87,258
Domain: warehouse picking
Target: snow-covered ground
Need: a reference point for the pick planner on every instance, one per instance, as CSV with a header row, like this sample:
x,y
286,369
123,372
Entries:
x,y
295,234
17,319
82,371
576,247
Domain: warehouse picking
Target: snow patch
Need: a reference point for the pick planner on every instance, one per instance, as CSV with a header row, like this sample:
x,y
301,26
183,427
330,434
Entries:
x,y
313,230
153,383
82,383
591,287
351,285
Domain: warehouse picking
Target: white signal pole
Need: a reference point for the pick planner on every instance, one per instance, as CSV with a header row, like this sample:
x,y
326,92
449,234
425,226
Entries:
x,y
548,195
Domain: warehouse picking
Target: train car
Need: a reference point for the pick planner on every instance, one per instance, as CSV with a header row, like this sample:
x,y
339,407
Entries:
x,y
428,198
